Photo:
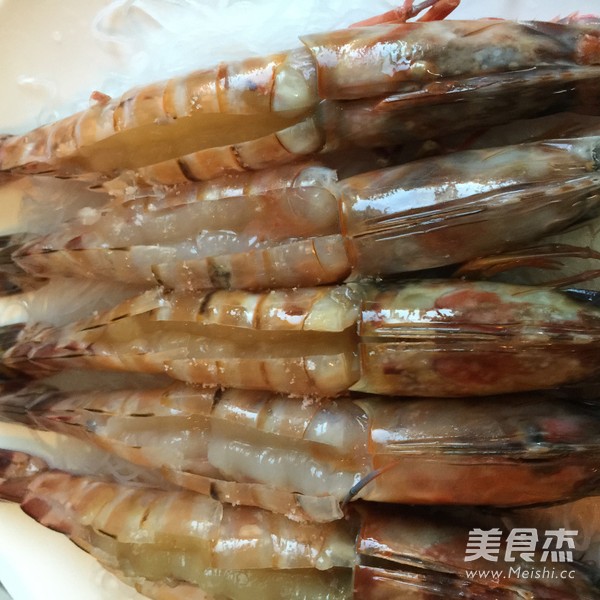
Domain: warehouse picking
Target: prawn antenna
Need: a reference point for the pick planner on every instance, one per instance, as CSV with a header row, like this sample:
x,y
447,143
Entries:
x,y
438,10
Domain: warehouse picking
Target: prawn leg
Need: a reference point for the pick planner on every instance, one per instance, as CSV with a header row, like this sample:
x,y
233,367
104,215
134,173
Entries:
x,y
438,10
547,257
564,259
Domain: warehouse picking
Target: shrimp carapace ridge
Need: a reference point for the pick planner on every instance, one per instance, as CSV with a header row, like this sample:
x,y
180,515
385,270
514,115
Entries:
x,y
424,338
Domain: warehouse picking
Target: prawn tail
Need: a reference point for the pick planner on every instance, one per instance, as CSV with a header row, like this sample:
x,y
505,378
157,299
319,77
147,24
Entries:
x,y
14,279
6,245
16,471
18,398
9,286
9,334
8,269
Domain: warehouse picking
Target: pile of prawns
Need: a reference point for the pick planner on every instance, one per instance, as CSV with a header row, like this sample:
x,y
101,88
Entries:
x,y
328,356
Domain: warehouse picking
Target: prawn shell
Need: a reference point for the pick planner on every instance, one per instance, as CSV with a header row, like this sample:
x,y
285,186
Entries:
x,y
219,537
100,342
455,106
314,261
423,449
368,61
445,339
429,553
286,146
409,218
303,309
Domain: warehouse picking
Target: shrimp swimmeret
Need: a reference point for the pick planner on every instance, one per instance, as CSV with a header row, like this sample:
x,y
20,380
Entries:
x,y
304,459
427,338
205,550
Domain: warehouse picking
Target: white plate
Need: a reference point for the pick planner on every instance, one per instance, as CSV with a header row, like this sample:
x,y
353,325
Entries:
x,y
53,53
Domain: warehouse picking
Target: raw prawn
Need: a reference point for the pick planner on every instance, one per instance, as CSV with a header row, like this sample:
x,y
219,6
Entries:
x,y
429,338
388,121
297,226
305,459
199,548
239,102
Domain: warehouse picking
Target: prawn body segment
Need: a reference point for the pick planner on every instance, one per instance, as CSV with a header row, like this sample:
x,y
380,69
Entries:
x,y
293,340
416,339
297,226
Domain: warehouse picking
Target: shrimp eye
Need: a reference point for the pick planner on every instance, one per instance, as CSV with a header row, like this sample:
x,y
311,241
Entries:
x,y
596,157
535,436
591,296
